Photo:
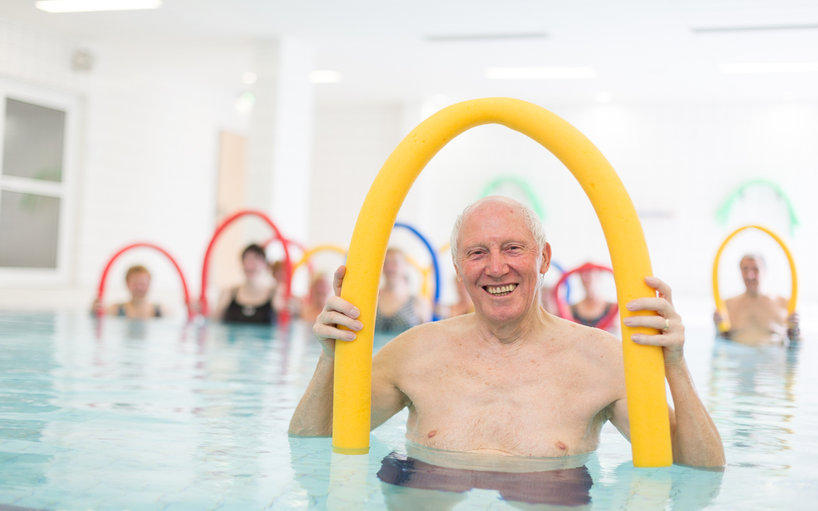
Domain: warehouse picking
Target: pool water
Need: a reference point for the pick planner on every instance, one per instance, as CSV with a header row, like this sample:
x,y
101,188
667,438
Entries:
x,y
125,415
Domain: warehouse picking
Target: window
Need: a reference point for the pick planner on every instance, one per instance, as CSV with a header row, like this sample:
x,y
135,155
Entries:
x,y
35,130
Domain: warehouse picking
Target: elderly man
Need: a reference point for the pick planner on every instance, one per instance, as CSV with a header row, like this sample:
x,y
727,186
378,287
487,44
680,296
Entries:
x,y
756,318
510,378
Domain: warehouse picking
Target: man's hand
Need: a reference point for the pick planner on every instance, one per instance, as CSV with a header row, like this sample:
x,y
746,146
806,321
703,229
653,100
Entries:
x,y
668,322
793,326
337,313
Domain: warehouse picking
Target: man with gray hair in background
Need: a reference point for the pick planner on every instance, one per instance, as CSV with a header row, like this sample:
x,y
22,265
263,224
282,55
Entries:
x,y
757,318
509,379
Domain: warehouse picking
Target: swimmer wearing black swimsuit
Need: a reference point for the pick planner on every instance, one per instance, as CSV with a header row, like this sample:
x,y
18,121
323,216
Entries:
x,y
236,312
590,321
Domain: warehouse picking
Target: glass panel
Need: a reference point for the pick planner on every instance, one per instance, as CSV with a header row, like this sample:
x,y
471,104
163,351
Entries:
x,y
29,228
33,141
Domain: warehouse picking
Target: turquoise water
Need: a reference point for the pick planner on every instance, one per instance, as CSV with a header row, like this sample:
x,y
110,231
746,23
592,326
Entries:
x,y
123,415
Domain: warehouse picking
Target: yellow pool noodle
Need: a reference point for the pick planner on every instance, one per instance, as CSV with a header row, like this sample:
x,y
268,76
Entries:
x,y
644,365
311,252
724,325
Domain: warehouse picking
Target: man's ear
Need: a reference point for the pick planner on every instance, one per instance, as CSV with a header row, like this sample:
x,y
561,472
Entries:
x,y
546,258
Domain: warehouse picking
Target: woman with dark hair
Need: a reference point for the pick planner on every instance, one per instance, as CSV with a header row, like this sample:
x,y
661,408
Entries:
x,y
251,301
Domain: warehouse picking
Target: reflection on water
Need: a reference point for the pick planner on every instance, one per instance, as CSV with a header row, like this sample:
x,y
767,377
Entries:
x,y
25,399
752,397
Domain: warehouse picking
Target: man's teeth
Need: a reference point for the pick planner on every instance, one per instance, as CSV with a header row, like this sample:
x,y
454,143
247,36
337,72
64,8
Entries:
x,y
499,290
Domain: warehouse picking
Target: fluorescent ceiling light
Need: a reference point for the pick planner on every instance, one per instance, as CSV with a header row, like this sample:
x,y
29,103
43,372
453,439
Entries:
x,y
445,38
769,67
325,76
753,28
96,5
539,73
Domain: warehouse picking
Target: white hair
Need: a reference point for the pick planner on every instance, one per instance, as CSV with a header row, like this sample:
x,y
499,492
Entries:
x,y
532,221
756,256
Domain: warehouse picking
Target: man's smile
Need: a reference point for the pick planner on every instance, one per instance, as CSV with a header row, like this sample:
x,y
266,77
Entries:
x,y
500,290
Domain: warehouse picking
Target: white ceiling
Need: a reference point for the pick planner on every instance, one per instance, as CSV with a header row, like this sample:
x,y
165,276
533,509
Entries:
x,y
386,50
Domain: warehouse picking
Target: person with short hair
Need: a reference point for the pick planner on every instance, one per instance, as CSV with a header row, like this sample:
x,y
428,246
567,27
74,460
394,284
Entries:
x,y
138,282
510,379
398,307
755,317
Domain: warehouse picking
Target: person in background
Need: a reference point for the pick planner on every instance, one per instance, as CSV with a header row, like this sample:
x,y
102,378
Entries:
x,y
319,291
592,309
251,301
398,308
757,318
138,282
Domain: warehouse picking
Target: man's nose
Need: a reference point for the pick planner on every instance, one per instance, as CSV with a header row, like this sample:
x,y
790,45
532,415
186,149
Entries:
x,y
497,264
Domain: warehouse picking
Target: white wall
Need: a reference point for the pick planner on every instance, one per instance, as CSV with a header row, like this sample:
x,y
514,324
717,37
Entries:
x,y
148,153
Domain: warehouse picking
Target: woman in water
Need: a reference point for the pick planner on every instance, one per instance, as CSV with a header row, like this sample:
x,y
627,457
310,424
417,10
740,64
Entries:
x,y
592,309
313,304
138,282
398,308
252,301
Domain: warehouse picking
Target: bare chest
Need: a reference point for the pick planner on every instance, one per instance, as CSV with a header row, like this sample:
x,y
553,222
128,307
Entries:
x,y
523,407
755,314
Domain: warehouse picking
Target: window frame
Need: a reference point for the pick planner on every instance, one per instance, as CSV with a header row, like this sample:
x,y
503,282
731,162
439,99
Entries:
x,y
64,190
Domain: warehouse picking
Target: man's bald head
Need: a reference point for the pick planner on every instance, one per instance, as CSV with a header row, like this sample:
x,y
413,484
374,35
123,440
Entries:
x,y
527,216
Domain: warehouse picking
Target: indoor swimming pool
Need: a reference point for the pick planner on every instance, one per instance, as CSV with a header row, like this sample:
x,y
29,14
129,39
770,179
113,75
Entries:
x,y
162,415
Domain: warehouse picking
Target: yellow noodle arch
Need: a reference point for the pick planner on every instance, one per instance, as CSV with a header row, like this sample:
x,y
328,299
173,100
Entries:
x,y
644,365
724,325
425,272
314,250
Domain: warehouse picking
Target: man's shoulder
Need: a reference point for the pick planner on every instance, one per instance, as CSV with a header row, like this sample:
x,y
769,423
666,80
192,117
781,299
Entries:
x,y
430,333
587,339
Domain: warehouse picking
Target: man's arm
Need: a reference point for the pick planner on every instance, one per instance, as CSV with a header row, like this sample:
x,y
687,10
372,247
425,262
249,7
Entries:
x,y
793,320
696,440
313,415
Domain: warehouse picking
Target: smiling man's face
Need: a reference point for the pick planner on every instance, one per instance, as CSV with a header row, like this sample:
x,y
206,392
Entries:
x,y
499,261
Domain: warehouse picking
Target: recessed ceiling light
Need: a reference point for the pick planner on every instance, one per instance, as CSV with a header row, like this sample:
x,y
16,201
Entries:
x,y
325,76
769,67
539,73
754,28
446,38
58,6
